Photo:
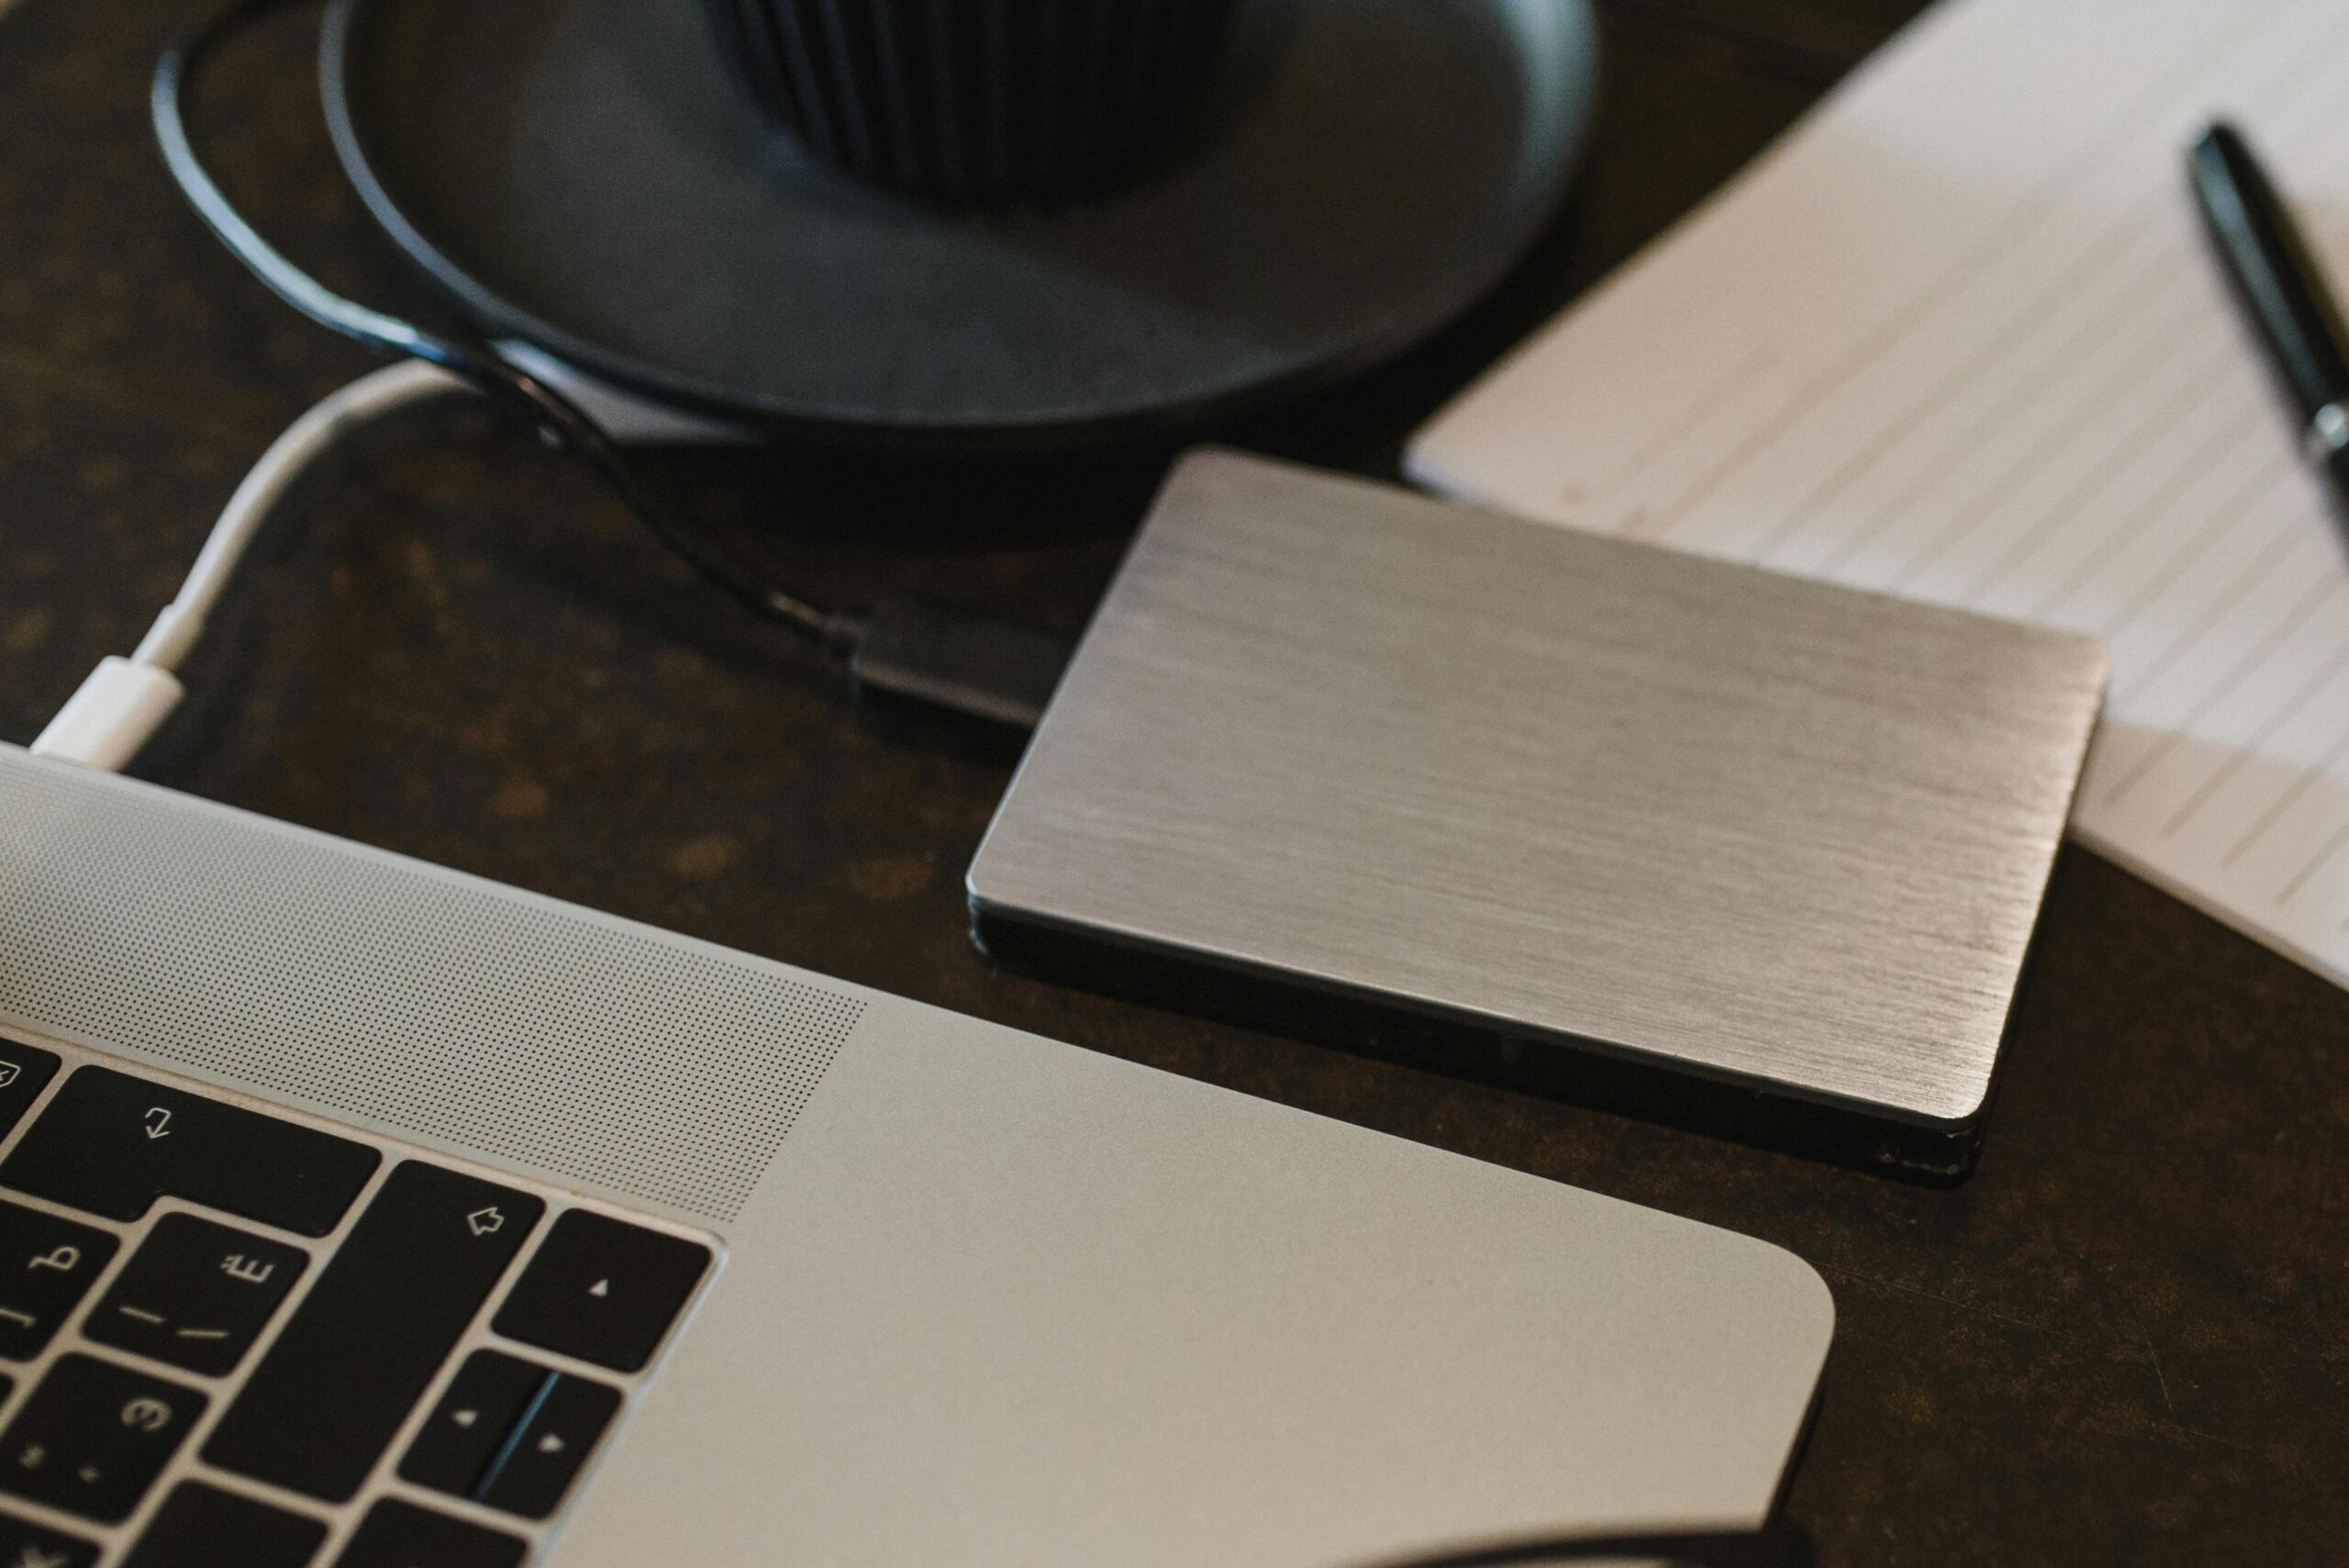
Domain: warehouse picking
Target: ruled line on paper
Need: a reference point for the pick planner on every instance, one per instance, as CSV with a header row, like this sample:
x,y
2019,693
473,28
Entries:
x,y
1747,369
1924,484
1992,350
2175,267
2301,877
2174,478
2270,480
2002,374
2276,634
2084,415
2293,89
2127,456
2238,588
2168,495
2036,204
2285,801
2292,708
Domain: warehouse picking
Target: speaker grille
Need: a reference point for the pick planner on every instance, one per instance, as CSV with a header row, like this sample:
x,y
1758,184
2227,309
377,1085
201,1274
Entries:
x,y
431,1003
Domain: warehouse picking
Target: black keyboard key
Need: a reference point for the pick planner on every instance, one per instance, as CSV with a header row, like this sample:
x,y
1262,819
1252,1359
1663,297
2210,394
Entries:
x,y
483,1405
603,1291
47,1264
113,1144
195,1294
24,1544
93,1437
386,1311
202,1526
533,1471
401,1535
25,1072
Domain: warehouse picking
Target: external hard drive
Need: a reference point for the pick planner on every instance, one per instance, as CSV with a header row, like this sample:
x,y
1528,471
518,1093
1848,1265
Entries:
x,y
1702,840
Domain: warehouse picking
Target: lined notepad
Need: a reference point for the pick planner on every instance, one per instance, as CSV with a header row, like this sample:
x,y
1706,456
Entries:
x,y
1958,337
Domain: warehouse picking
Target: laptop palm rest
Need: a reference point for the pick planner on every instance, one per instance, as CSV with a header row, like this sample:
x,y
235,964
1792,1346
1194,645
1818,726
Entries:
x,y
978,1297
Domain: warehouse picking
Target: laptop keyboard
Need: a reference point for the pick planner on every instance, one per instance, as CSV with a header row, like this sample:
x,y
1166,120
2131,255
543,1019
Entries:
x,y
235,1336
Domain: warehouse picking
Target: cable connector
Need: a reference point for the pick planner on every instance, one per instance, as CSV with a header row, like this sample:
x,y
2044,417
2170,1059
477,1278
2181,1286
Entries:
x,y
944,656
127,700
111,717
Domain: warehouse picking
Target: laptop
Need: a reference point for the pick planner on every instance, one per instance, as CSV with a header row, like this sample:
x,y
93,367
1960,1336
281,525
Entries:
x,y
355,1211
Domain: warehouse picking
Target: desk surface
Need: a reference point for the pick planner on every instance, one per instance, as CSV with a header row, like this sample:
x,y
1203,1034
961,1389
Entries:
x,y
2125,1340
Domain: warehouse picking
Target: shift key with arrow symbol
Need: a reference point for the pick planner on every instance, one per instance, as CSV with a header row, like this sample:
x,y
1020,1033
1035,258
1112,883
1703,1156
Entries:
x,y
374,1333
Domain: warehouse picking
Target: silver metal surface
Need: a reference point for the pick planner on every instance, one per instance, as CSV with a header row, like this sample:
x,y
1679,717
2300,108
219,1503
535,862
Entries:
x,y
1760,828
2328,432
994,1300
663,1072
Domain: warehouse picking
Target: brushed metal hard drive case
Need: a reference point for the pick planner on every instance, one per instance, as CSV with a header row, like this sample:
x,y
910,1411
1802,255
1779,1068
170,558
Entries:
x,y
1744,850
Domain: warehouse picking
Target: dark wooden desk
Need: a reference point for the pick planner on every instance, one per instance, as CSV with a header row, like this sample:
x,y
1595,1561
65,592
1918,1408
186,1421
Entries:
x,y
2126,1340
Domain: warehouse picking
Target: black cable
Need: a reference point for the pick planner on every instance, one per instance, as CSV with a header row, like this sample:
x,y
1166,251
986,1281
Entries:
x,y
475,362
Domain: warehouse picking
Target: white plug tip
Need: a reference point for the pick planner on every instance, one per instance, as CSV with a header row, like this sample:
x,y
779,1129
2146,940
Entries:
x,y
112,715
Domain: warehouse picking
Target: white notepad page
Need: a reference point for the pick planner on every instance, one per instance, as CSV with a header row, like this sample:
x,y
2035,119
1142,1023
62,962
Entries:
x,y
1958,337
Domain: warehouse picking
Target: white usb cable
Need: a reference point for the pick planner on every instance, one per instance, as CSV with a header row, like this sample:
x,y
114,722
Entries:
x,y
125,701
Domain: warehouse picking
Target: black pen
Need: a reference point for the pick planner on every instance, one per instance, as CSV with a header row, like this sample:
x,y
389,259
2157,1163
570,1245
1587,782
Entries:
x,y
2282,287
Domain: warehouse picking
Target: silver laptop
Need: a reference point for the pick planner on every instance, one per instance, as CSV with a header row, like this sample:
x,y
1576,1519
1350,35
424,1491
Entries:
x,y
358,1212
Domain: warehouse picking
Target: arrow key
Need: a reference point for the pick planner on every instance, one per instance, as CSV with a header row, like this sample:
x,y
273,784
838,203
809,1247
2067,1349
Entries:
x,y
603,1290
539,1463
468,1428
